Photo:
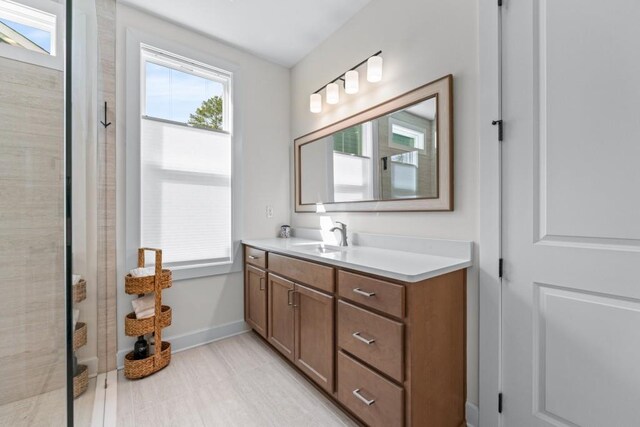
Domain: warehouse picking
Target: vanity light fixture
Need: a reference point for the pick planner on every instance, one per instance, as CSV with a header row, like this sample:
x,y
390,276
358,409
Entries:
x,y
351,79
333,93
351,82
315,103
374,69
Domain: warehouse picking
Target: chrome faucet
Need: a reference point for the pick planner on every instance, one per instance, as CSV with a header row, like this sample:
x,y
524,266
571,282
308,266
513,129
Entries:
x,y
343,233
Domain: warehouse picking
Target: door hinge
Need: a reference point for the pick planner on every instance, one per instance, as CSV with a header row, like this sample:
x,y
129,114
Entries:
x,y
500,267
499,403
500,128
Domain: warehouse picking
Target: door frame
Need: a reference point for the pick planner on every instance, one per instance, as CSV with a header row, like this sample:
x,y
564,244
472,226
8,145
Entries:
x,y
490,295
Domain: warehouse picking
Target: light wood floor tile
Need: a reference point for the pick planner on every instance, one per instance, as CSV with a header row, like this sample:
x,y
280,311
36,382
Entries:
x,y
83,405
49,409
180,411
239,381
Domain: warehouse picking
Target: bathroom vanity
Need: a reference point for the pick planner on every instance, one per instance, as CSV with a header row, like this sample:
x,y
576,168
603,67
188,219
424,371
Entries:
x,y
379,326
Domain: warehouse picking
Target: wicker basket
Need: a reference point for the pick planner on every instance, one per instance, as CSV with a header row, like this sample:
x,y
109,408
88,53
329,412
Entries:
x,y
135,369
145,285
135,327
79,291
81,381
79,335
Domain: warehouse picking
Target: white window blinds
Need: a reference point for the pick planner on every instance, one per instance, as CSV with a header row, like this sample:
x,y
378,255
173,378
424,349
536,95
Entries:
x,y
186,192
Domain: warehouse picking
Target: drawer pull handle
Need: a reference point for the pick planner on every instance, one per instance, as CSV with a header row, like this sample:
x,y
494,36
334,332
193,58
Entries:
x,y
357,336
253,257
366,401
364,293
289,292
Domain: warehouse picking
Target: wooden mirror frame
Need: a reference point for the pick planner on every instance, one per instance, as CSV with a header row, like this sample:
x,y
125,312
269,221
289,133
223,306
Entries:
x,y
442,90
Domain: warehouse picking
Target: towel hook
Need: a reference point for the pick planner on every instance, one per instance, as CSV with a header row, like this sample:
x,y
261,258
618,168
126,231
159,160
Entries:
x,y
105,124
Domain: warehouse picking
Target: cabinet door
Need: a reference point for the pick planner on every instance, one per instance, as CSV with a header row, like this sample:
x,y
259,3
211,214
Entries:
x,y
255,287
280,314
314,335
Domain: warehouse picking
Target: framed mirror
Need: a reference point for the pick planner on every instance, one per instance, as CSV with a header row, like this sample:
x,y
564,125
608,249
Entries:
x,y
396,156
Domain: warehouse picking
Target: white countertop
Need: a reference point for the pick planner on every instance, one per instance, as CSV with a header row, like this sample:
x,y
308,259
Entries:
x,y
395,264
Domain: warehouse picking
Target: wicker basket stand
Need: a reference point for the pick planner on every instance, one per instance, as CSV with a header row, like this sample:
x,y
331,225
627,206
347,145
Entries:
x,y
135,369
81,377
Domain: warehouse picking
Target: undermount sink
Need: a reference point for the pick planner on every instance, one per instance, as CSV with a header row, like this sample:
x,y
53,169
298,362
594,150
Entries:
x,y
321,248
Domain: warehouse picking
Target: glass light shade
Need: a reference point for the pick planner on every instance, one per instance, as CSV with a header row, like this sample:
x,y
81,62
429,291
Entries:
x,y
374,69
315,103
333,93
351,82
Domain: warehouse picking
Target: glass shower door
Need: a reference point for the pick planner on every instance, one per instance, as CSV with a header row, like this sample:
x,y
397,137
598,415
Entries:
x,y
87,167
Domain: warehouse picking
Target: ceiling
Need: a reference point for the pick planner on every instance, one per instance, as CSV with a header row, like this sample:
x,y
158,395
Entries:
x,y
282,31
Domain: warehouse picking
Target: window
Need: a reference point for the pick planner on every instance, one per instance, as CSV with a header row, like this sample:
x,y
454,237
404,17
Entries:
x,y
406,136
353,163
185,160
29,32
349,141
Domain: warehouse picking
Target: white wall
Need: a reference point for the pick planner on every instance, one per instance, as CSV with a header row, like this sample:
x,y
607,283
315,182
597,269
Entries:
x,y
206,307
421,41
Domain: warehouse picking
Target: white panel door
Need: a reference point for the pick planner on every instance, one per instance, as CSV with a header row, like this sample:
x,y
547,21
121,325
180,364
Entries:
x,y
571,225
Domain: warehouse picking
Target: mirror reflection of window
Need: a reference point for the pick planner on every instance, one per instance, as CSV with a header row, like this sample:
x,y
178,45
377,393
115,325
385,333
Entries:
x,y
353,163
406,136
408,152
404,175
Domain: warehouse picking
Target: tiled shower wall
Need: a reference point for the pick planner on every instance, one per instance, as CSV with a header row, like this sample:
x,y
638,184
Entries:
x,y
32,298
32,286
106,11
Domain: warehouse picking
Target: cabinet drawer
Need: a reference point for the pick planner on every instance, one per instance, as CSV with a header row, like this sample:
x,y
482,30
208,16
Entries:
x,y
316,275
255,256
375,400
380,295
372,338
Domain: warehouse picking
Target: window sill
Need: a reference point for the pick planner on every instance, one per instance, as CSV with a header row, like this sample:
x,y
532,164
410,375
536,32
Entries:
x,y
205,270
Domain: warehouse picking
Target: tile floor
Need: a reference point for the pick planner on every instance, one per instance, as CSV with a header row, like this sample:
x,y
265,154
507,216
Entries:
x,y
238,381
49,409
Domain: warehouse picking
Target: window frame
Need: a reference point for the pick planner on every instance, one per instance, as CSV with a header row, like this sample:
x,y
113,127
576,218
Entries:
x,y
135,42
175,62
409,130
55,59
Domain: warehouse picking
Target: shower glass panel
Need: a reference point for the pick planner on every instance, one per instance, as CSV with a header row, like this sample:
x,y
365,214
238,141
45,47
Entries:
x,y
87,260
52,303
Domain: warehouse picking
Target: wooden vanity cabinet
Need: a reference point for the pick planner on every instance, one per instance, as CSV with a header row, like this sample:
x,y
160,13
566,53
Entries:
x,y
255,310
314,345
390,353
281,320
300,326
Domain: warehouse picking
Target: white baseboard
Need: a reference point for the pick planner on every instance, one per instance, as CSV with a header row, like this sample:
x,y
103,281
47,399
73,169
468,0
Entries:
x,y
92,365
197,338
472,414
